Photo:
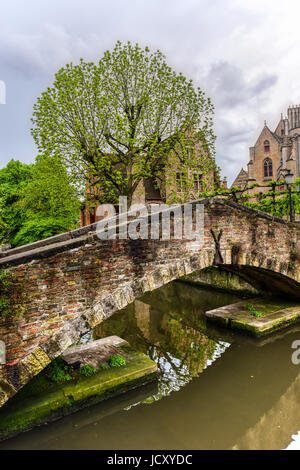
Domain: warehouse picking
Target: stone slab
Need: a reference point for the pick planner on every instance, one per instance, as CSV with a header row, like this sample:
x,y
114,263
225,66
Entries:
x,y
275,316
94,353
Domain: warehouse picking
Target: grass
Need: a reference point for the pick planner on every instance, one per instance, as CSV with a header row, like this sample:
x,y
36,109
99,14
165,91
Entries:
x,y
87,370
117,361
253,311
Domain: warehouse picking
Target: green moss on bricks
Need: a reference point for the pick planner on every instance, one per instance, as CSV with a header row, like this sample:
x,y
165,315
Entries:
x,y
11,295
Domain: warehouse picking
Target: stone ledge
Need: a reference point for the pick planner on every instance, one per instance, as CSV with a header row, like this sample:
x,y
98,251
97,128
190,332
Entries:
x,y
43,251
62,237
274,316
41,402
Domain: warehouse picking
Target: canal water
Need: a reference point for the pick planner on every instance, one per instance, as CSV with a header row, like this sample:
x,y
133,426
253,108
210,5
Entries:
x,y
217,389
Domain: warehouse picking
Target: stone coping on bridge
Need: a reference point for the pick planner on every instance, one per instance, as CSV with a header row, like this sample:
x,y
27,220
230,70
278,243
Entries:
x,y
81,236
259,317
42,401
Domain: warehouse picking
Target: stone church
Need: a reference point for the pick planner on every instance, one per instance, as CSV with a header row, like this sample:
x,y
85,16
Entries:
x,y
273,154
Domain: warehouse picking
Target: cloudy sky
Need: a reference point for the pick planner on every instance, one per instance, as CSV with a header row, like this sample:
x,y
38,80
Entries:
x,y
243,53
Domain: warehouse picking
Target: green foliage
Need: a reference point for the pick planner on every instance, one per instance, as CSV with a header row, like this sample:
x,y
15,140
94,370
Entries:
x,y
36,201
104,366
274,201
253,311
117,361
126,118
58,371
13,180
35,229
11,296
50,193
87,370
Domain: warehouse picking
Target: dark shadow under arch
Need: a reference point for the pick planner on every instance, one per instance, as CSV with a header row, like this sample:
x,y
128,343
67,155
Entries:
x,y
266,280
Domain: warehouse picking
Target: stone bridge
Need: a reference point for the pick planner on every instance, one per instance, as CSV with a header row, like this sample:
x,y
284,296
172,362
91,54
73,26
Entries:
x,y
72,282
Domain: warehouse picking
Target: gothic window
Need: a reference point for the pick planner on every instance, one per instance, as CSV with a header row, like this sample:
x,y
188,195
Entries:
x,y
197,182
266,146
268,167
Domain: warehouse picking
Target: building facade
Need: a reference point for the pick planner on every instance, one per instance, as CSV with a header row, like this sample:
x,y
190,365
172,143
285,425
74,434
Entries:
x,y
273,154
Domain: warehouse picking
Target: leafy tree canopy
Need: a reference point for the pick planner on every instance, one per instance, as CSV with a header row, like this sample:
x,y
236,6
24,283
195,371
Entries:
x,y
13,179
117,121
36,201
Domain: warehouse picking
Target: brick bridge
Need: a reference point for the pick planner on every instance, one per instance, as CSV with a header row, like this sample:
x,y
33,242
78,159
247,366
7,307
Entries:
x,y
72,282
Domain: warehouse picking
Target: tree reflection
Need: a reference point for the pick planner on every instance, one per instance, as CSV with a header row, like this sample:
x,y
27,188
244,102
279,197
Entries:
x,y
170,332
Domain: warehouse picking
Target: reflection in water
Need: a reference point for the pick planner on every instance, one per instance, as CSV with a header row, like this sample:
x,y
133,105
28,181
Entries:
x,y
170,328
246,399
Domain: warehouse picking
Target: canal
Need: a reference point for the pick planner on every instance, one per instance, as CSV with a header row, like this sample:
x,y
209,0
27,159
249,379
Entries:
x,y
216,389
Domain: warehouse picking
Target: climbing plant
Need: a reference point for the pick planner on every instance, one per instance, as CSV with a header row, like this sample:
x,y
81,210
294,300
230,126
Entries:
x,y
274,201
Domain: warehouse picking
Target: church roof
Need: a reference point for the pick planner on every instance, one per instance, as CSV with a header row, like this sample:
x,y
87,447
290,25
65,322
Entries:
x,y
272,134
279,139
241,179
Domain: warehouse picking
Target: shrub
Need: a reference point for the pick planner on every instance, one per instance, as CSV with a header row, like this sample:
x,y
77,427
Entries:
x,y
59,371
254,312
87,370
117,361
39,228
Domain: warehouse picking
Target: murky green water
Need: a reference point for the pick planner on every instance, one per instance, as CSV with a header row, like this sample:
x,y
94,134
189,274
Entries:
x,y
216,389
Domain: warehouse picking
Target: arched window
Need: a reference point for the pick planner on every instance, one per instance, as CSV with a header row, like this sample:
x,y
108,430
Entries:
x,y
268,167
266,146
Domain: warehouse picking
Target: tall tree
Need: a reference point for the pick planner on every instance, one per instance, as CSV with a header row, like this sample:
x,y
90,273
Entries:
x,y
117,122
13,179
36,201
